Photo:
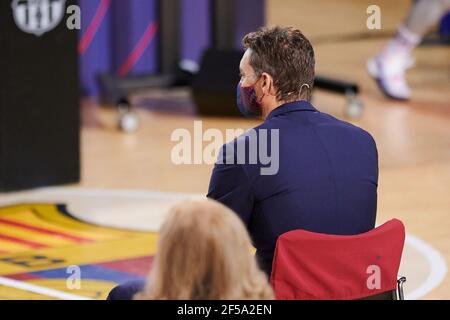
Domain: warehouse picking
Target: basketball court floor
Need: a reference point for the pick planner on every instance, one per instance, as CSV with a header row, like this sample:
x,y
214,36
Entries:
x,y
107,225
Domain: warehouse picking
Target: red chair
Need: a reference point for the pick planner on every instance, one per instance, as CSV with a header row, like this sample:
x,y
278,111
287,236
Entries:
x,y
312,266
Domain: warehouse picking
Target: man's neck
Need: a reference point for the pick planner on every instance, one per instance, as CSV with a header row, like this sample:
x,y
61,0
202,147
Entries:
x,y
276,104
267,110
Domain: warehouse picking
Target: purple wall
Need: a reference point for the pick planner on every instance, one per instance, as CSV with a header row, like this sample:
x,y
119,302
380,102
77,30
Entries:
x,y
95,43
117,36
250,15
196,28
121,36
135,37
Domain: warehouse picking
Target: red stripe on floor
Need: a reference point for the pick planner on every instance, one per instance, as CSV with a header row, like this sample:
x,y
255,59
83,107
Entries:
x,y
24,277
138,266
43,230
31,244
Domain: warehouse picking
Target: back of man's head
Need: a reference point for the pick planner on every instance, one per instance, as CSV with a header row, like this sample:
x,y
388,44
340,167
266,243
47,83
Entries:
x,y
288,56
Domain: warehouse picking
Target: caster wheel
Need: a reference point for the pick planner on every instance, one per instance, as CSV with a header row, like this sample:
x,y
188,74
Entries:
x,y
129,122
128,119
354,108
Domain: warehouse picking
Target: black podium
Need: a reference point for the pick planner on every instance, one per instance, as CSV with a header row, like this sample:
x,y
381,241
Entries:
x,y
39,95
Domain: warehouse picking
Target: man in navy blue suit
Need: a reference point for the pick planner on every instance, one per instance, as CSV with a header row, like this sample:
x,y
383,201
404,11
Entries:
x,y
300,169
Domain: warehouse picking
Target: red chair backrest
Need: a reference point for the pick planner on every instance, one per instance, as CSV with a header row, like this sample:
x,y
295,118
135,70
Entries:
x,y
312,266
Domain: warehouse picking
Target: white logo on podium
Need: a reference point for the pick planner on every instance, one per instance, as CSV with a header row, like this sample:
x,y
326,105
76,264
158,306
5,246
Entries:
x,y
38,16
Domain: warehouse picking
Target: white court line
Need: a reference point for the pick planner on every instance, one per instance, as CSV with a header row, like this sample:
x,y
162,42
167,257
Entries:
x,y
91,193
118,193
40,290
437,264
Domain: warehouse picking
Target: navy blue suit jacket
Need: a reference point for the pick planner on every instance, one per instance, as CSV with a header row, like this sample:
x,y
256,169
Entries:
x,y
326,182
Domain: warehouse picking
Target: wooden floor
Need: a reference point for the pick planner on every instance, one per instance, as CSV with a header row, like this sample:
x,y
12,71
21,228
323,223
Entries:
x,y
413,141
413,138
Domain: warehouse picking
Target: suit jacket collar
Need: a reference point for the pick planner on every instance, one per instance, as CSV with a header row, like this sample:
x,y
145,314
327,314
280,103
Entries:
x,y
301,105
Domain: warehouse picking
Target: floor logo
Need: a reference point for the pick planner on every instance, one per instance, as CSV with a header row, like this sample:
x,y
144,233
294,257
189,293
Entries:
x,y
38,16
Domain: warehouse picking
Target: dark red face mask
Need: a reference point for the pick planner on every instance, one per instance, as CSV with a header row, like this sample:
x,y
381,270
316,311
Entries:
x,y
247,101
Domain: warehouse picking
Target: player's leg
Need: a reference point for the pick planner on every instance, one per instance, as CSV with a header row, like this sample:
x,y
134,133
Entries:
x,y
389,66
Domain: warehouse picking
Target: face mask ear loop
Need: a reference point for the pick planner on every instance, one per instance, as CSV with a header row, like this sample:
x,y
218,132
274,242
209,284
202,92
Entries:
x,y
260,100
301,88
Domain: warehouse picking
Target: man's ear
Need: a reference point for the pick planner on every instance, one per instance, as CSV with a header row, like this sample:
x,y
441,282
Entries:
x,y
267,84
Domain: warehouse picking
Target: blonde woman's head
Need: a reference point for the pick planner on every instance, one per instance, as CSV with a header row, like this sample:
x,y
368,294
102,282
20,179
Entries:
x,y
204,254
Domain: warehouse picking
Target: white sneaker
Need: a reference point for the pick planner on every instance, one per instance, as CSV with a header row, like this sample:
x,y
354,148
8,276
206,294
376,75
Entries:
x,y
390,75
408,63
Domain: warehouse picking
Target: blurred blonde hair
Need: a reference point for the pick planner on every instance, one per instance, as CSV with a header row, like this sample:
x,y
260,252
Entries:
x,y
204,254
